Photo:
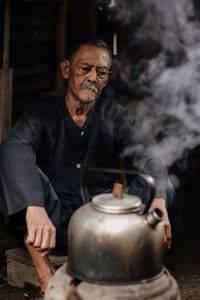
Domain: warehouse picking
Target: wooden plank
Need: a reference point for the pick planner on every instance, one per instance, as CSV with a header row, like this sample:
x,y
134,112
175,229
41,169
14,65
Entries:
x,y
31,85
61,42
18,274
6,77
22,255
35,70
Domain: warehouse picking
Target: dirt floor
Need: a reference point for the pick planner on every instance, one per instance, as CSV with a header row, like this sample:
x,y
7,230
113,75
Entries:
x,y
183,261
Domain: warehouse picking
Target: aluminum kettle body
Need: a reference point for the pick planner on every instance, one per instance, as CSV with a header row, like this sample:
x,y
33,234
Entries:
x,y
115,243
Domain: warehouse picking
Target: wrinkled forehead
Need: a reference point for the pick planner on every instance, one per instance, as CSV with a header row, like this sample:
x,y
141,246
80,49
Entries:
x,y
93,55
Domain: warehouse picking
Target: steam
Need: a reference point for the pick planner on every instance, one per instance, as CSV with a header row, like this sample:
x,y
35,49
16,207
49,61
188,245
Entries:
x,y
174,107
168,80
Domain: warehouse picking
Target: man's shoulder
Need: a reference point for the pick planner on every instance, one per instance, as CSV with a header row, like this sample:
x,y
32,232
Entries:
x,y
114,109
111,104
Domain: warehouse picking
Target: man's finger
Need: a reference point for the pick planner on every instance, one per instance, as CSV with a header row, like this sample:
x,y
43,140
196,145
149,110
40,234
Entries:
x,y
169,240
38,238
168,235
31,236
46,237
53,238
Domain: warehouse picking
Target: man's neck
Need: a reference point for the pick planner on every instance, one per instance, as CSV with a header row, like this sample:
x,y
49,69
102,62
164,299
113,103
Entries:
x,y
78,110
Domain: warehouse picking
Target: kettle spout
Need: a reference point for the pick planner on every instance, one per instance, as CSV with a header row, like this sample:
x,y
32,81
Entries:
x,y
154,217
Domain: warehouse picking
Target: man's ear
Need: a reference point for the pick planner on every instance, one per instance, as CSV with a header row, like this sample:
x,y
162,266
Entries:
x,y
64,66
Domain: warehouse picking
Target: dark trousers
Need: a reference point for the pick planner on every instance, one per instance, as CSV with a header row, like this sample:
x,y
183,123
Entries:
x,y
58,214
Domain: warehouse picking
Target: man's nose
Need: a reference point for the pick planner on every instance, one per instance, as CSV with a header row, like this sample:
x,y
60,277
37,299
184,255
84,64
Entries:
x,y
92,75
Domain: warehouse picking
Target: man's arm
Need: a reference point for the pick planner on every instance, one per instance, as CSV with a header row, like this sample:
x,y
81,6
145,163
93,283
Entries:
x,y
21,181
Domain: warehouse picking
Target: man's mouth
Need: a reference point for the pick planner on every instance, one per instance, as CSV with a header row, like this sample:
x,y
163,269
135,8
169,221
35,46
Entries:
x,y
89,87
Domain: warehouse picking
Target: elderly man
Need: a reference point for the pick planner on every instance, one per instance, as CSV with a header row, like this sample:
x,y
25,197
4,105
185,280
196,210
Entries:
x,y
54,142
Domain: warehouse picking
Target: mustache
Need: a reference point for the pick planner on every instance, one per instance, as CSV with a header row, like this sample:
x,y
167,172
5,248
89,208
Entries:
x,y
90,87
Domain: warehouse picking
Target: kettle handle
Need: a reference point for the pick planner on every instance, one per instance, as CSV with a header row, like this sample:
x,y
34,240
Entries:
x,y
149,179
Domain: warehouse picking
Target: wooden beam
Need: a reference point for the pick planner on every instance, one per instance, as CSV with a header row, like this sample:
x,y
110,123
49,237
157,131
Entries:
x,y
6,76
61,42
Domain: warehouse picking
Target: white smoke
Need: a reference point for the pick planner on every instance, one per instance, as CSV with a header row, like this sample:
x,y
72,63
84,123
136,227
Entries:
x,y
170,81
174,106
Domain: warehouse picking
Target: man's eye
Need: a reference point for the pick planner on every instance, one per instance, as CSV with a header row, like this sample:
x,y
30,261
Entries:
x,y
85,69
102,74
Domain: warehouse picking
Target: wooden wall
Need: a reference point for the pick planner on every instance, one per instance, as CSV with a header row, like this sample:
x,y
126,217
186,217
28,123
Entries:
x,y
32,50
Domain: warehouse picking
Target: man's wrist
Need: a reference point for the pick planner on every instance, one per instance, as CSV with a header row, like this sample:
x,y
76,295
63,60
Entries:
x,y
159,199
34,207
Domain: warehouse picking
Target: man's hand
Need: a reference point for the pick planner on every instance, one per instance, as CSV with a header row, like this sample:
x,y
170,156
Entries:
x,y
41,231
160,203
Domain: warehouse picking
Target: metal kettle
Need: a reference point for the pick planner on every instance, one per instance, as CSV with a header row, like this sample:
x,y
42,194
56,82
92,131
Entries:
x,y
115,241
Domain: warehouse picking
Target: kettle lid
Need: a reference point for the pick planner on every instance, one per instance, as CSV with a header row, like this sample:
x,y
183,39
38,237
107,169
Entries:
x,y
107,203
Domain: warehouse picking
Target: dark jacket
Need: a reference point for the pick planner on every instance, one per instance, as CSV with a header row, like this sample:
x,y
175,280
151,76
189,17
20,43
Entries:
x,y
41,139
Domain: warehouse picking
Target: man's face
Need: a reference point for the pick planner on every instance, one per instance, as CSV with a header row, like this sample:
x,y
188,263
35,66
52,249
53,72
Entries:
x,y
88,73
